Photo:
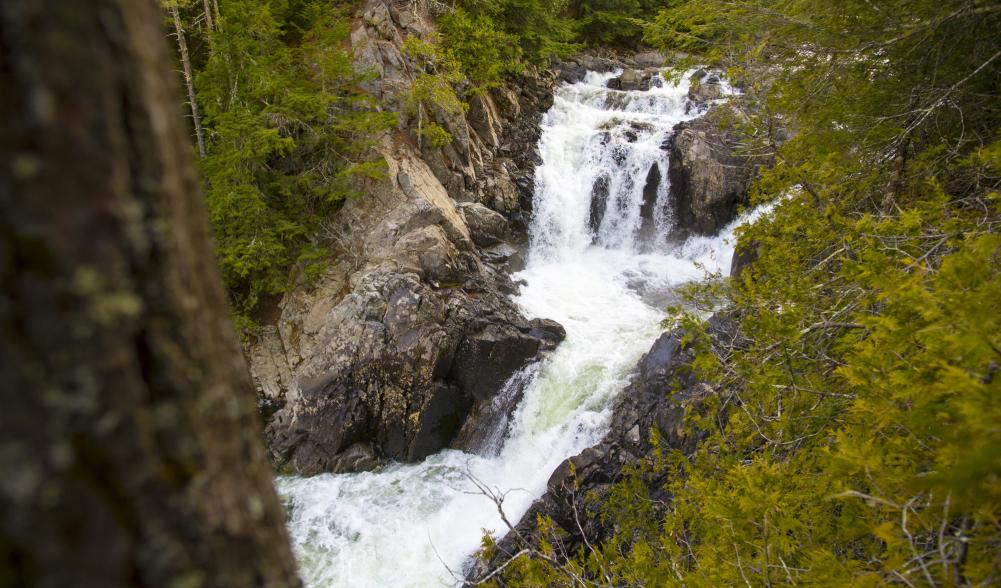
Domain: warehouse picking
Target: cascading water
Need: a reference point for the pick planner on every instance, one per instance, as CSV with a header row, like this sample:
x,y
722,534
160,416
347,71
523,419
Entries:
x,y
598,251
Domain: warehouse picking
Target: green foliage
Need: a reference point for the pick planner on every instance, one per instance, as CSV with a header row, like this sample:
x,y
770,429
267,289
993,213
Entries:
x,y
432,93
289,137
497,38
852,438
538,26
486,41
437,136
484,53
611,22
438,73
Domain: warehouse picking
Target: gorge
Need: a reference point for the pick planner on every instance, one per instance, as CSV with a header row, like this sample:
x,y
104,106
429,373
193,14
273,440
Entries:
x,y
505,293
602,258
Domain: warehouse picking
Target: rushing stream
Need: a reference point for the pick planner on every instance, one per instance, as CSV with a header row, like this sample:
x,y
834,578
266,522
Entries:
x,y
603,271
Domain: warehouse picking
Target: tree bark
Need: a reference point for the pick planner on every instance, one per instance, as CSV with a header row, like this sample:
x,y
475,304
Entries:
x,y
130,447
189,80
208,15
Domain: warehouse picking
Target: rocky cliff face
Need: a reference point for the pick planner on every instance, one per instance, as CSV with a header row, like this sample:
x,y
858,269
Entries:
x,y
709,178
491,158
412,329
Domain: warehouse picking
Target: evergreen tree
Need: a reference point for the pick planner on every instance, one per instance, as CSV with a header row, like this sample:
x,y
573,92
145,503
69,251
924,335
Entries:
x,y
608,22
289,137
171,6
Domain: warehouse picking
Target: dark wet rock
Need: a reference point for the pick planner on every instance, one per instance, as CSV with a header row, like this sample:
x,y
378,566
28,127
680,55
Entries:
x,y
439,419
599,203
709,179
650,191
489,421
584,469
486,359
648,403
548,331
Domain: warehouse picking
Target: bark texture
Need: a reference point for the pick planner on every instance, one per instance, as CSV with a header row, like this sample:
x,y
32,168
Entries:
x,y
209,20
129,444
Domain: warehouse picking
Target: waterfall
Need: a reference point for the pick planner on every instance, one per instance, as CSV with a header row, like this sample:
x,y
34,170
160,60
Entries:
x,y
599,262
609,145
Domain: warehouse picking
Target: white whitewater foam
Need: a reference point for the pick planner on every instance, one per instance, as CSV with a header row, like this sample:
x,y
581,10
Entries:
x,y
403,525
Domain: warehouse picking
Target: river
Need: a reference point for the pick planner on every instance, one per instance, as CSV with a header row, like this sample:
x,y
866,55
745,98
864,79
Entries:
x,y
605,275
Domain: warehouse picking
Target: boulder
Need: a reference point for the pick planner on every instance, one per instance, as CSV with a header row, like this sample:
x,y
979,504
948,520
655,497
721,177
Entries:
x,y
649,59
486,359
486,227
631,79
709,180
549,332
705,87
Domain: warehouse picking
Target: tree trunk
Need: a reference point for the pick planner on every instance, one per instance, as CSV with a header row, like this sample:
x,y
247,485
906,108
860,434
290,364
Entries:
x,y
208,15
189,81
130,447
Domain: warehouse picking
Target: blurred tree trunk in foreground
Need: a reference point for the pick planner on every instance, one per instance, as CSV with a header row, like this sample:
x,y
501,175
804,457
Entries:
x,y
129,446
